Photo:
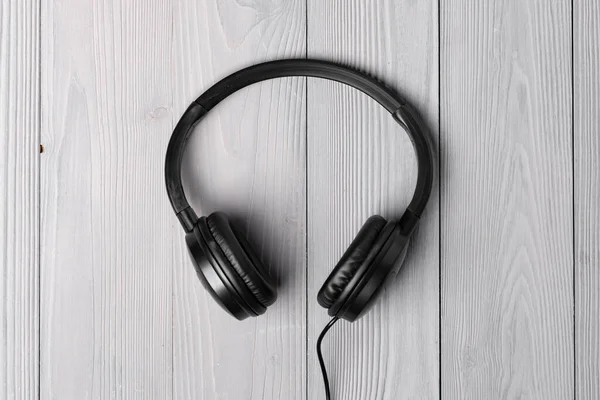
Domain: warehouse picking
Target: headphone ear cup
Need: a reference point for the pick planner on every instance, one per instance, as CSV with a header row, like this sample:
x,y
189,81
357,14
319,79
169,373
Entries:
x,y
360,277
353,258
241,259
228,267
370,283
212,277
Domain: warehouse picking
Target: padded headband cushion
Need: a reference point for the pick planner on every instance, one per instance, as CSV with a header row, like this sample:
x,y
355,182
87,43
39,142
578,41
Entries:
x,y
242,258
351,261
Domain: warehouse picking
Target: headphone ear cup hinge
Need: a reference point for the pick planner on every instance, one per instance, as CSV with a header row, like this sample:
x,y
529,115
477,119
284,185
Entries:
x,y
188,218
408,222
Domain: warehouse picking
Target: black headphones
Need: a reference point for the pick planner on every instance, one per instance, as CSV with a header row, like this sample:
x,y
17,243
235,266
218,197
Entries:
x,y
224,260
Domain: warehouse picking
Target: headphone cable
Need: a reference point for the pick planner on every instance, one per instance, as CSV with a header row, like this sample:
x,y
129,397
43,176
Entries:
x,y
320,355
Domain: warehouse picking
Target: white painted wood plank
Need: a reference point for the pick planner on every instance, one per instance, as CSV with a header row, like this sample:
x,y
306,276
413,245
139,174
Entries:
x,y
506,200
246,158
19,198
361,163
106,242
586,63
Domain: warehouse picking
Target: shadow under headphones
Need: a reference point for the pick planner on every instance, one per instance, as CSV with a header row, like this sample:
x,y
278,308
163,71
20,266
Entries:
x,y
224,259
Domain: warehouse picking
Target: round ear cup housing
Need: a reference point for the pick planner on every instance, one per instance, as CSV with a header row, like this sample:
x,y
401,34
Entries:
x,y
364,291
351,261
242,258
213,279
359,278
229,268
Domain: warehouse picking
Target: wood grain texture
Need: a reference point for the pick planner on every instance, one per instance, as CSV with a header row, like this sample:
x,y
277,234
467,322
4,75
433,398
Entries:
x,y
246,158
361,163
586,63
19,200
105,219
506,200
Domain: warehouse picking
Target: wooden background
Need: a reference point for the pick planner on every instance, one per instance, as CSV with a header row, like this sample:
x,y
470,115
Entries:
x,y
498,297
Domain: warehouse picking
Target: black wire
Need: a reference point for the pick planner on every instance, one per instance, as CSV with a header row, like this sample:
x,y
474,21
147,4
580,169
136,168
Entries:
x,y
320,355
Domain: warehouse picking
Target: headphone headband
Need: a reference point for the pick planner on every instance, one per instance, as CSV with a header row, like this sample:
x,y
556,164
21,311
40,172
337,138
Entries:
x,y
400,111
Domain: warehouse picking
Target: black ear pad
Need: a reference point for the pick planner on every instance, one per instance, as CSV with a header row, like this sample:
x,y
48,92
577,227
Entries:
x,y
369,282
213,278
351,261
242,259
